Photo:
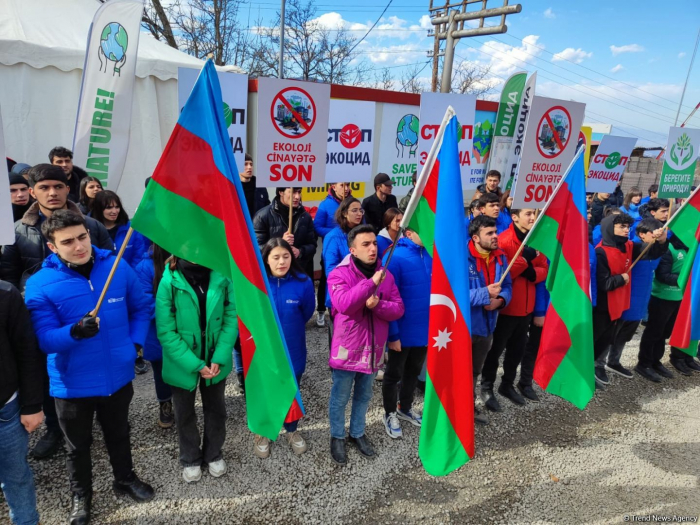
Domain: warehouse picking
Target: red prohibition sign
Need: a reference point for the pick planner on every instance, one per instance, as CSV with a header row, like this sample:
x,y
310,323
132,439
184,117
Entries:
x,y
295,118
557,144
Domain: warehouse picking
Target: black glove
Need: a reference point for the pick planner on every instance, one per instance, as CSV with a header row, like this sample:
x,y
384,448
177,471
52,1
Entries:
x,y
529,253
529,273
87,327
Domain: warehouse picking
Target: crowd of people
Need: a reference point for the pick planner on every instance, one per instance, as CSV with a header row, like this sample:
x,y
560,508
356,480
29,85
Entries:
x,y
65,364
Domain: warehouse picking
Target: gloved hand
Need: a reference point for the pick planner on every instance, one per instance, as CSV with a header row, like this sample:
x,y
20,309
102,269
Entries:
x,y
529,253
530,274
87,327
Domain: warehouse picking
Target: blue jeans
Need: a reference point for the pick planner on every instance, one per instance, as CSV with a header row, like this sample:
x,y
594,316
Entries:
x,y
340,395
237,357
16,477
163,391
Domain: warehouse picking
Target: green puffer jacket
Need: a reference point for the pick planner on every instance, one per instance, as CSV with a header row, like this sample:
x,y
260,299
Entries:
x,y
179,331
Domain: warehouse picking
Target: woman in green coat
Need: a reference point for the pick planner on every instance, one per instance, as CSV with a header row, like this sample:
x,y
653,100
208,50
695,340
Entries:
x,y
197,327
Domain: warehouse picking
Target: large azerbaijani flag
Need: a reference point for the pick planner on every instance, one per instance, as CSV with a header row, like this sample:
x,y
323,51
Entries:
x,y
685,224
564,365
194,207
447,432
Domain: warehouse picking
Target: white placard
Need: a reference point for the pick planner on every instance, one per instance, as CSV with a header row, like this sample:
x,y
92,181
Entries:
x,y
432,111
608,163
548,148
292,132
234,92
350,141
398,145
7,229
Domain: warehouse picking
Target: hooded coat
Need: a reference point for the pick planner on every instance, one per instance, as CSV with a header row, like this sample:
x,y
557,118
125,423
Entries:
x,y
324,221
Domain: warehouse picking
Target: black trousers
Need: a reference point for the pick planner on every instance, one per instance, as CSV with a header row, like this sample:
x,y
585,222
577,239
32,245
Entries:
x,y
527,366
49,405
480,349
510,335
662,317
321,292
214,408
75,417
604,330
404,367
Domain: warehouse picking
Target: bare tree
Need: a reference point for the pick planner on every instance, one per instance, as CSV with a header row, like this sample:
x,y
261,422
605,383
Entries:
x,y
384,80
470,78
156,20
411,82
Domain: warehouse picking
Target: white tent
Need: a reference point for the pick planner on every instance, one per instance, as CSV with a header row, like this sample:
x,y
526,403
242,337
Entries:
x,y
42,51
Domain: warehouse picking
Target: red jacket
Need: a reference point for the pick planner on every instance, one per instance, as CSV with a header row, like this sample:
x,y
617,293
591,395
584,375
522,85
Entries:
x,y
523,301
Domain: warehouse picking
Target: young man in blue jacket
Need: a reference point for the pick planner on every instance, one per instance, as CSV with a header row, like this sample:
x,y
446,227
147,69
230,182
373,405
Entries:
x,y
90,359
486,264
412,268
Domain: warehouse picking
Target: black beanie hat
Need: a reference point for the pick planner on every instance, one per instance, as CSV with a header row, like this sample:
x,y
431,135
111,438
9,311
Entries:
x,y
18,179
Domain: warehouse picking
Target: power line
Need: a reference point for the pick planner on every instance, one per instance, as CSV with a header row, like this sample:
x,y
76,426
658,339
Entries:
x,y
370,29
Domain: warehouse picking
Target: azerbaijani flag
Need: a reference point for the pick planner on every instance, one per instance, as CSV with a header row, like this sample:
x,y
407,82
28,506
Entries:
x,y
447,432
685,224
564,365
194,207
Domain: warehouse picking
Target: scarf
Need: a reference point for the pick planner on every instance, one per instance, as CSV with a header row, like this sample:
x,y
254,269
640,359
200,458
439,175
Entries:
x,y
368,270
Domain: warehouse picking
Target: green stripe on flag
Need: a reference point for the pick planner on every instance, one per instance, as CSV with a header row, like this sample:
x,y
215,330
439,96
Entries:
x,y
439,447
423,223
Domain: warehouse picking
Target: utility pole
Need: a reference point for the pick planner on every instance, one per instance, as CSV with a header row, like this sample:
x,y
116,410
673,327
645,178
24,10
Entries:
x,y
448,22
280,71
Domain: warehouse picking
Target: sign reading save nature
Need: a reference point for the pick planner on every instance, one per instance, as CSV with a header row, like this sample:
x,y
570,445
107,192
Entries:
x,y
398,145
679,162
292,132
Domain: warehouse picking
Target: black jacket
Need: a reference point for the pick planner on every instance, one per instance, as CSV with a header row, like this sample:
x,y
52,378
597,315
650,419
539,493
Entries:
x,y
273,221
607,282
375,210
617,198
597,209
77,175
256,198
22,259
21,362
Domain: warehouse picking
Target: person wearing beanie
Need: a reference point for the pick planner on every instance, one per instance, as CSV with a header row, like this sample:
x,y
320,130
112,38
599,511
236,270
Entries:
x,y
19,196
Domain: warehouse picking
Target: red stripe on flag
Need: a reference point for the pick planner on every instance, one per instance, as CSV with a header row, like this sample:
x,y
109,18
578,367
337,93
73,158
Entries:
x,y
295,413
431,186
554,345
563,210
450,366
208,188
247,346
680,337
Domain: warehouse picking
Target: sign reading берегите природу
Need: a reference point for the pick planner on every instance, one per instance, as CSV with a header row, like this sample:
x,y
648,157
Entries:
x,y
679,163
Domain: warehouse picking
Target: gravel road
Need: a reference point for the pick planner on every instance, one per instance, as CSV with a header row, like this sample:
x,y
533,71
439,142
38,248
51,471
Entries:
x,y
634,451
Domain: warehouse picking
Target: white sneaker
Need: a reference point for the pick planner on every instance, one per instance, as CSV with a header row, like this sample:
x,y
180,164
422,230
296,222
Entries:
x,y
217,468
262,447
380,375
297,442
192,474
392,426
411,416
320,319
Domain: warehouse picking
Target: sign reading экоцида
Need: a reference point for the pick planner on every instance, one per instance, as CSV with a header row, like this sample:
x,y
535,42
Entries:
x,y
292,133
549,147
608,163
350,141
679,163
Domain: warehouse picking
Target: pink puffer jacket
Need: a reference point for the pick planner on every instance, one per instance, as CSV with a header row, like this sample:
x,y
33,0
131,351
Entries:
x,y
359,334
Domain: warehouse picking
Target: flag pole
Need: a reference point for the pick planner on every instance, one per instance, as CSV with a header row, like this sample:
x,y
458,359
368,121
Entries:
x,y
649,245
291,209
539,217
112,272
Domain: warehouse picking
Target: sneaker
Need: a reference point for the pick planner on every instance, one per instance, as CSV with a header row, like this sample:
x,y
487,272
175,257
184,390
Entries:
x,y
217,468
528,392
49,443
490,400
663,371
481,417
165,415
297,443
380,375
681,366
509,392
392,426
601,376
410,416
192,474
692,364
239,387
262,447
140,366
619,370
648,373
320,319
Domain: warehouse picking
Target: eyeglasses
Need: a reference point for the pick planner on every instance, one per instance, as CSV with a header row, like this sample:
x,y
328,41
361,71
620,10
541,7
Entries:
x,y
361,211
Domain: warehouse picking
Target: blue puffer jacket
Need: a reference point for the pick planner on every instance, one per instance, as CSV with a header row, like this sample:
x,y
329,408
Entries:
x,y
642,279
335,249
137,248
145,271
597,237
295,302
59,297
541,300
324,221
503,221
412,268
633,211
484,321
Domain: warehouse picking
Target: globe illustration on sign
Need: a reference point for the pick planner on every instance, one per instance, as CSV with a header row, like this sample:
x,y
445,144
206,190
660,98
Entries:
x,y
114,42
407,135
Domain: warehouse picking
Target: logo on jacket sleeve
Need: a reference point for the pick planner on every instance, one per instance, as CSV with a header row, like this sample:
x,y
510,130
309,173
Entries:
x,y
115,300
